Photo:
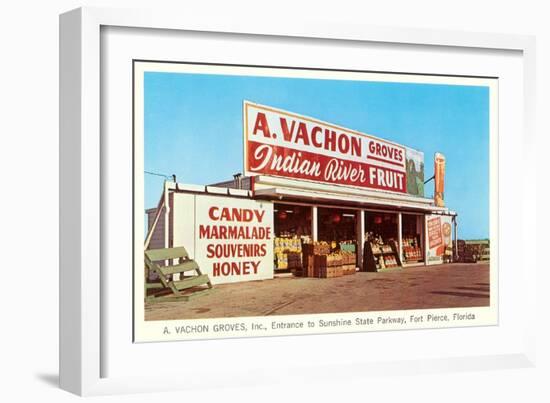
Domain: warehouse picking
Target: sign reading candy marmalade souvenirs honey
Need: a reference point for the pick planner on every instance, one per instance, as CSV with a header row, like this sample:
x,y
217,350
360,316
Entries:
x,y
289,145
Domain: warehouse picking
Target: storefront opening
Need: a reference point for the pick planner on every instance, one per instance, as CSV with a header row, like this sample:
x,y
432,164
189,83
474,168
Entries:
x,y
412,238
292,221
292,225
336,225
381,236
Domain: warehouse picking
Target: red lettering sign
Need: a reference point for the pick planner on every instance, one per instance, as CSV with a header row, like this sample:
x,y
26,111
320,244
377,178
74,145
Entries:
x,y
435,238
284,144
280,161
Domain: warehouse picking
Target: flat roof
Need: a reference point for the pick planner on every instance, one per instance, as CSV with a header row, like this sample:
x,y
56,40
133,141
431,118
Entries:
x,y
283,190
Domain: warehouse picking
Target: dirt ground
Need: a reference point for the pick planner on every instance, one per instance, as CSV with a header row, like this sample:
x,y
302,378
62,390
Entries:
x,y
443,286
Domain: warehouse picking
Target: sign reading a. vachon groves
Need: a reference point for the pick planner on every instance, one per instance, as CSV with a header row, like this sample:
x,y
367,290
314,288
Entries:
x,y
285,144
233,238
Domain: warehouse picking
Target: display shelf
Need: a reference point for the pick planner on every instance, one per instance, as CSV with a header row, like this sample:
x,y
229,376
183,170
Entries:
x,y
371,258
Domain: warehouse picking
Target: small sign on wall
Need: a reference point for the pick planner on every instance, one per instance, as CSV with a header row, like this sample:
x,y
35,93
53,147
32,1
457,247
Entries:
x,y
439,231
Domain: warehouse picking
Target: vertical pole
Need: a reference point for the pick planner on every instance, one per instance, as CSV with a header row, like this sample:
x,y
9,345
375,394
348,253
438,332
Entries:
x,y
455,249
420,230
400,236
166,218
425,225
360,226
314,226
166,215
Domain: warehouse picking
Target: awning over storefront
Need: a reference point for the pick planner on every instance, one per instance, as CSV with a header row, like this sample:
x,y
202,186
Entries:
x,y
287,190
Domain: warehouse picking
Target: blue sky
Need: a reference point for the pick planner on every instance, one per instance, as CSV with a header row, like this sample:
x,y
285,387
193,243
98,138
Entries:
x,y
193,128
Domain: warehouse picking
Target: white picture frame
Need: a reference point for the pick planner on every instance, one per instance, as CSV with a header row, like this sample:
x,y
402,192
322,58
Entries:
x,y
84,178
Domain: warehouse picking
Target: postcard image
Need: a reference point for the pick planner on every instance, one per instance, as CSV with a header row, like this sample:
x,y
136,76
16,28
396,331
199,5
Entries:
x,y
275,201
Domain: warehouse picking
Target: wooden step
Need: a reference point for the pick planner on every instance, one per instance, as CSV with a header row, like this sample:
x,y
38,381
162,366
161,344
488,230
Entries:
x,y
191,282
154,285
179,268
166,253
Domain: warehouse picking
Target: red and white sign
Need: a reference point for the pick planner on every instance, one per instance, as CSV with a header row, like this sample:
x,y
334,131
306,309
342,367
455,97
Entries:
x,y
435,236
439,230
230,238
285,144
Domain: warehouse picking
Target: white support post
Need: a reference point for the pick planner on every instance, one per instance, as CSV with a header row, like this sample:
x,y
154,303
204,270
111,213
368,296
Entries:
x,y
314,226
425,225
360,226
420,230
166,215
166,220
400,236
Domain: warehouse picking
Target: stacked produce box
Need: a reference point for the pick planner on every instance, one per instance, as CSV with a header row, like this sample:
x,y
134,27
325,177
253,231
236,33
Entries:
x,y
328,266
412,254
473,251
349,257
310,251
288,253
411,249
486,253
347,246
328,260
461,250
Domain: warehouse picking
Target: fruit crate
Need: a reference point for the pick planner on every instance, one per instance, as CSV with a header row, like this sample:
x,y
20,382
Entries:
x,y
348,269
330,272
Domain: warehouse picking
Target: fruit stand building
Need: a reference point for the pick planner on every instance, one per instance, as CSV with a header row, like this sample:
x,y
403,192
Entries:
x,y
308,182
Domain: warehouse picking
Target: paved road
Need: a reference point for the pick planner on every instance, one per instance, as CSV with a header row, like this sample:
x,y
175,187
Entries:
x,y
443,286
